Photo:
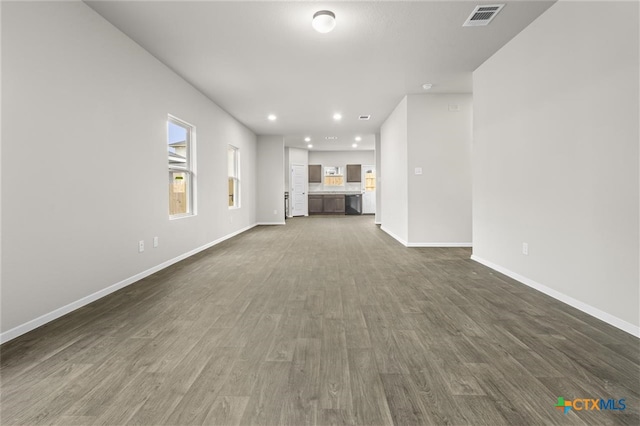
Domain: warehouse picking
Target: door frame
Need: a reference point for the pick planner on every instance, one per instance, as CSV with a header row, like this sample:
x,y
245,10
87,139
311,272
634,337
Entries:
x,y
306,189
364,171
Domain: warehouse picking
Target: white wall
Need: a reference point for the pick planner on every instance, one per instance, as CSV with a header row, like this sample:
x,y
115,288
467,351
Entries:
x,y
84,165
432,208
393,155
439,139
556,158
342,158
298,156
378,218
286,169
270,185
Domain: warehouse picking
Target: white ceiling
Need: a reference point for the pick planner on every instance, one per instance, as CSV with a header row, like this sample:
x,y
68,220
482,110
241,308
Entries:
x,y
260,58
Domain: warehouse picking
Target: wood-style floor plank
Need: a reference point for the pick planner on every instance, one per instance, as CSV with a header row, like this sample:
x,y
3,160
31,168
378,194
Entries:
x,y
324,321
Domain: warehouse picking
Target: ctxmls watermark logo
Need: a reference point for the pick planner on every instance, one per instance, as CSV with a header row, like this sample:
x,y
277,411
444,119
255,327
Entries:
x,y
590,404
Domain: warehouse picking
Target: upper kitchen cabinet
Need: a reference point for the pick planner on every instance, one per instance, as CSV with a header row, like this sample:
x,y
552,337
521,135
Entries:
x,y
354,173
315,173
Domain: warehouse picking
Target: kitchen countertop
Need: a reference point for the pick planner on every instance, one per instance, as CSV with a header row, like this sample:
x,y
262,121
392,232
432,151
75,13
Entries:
x,y
335,192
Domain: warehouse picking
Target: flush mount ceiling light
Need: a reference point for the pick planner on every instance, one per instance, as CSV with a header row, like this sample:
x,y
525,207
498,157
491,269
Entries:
x,y
337,116
323,21
307,139
355,145
272,117
310,146
358,138
427,86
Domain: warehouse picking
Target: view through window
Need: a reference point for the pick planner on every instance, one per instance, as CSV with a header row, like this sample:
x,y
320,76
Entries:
x,y
234,176
179,146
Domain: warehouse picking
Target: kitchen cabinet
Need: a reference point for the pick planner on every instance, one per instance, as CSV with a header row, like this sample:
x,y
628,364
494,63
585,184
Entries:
x,y
354,173
333,204
316,204
326,204
315,173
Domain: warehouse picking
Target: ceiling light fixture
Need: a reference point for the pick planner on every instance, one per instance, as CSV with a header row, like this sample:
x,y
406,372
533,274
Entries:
x,y
337,116
323,21
307,139
355,145
427,86
272,117
310,146
358,138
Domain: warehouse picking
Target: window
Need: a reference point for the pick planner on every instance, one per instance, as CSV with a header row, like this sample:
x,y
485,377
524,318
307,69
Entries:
x,y
180,146
234,176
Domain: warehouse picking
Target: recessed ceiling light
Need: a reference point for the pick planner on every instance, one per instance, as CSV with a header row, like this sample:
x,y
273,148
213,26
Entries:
x,y
323,21
358,138
337,116
307,139
355,145
310,146
427,86
272,117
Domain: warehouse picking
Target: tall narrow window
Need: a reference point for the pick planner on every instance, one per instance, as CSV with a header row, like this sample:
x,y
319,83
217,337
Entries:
x,y
180,146
234,176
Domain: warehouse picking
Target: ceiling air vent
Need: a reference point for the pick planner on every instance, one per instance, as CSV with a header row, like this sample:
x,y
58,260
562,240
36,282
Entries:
x,y
482,15
364,117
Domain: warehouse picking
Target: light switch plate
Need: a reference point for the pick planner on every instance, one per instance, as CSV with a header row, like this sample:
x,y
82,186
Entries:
x,y
418,170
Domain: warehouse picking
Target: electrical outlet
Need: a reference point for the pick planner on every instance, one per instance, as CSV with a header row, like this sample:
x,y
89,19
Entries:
x,y
140,246
155,242
525,249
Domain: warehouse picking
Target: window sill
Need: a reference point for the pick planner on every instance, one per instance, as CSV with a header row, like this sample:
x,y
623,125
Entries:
x,y
181,216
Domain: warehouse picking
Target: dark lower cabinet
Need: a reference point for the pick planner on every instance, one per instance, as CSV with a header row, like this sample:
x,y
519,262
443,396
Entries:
x,y
334,204
326,204
316,204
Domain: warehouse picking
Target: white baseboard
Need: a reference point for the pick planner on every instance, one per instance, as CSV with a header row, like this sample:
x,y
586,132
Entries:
x,y
588,309
408,244
44,319
439,245
270,223
395,237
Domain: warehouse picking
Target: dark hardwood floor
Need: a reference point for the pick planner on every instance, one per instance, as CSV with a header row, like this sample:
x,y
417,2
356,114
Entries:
x,y
328,321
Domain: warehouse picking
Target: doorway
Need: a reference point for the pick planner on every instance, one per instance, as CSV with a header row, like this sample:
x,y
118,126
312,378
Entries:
x,y
369,189
298,190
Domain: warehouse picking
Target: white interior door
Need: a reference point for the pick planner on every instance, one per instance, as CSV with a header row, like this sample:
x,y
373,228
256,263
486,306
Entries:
x,y
369,189
298,190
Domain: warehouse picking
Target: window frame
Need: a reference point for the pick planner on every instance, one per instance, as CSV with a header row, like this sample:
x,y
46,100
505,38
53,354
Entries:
x,y
235,176
188,169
